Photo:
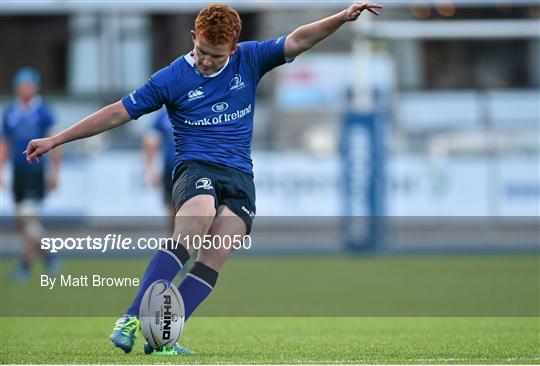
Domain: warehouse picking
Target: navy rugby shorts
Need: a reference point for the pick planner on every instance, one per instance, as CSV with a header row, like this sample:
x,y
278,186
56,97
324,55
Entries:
x,y
28,184
229,186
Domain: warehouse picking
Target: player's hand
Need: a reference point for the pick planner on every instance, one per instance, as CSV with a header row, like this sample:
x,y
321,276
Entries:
x,y
353,12
38,147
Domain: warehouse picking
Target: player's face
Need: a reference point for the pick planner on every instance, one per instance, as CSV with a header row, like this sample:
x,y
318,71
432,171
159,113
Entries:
x,y
210,58
25,91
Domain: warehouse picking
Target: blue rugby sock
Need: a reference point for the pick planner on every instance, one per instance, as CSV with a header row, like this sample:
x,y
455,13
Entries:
x,y
196,286
164,265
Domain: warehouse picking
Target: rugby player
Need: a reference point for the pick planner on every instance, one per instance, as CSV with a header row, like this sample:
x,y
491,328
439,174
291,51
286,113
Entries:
x,y
28,117
209,94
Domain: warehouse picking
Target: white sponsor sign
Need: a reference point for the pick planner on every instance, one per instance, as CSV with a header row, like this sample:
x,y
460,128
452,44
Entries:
x,y
289,184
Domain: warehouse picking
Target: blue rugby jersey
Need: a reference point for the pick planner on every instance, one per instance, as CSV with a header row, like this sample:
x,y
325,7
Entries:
x,y
211,116
20,125
163,127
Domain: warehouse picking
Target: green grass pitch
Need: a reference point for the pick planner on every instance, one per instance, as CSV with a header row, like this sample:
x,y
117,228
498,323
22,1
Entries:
x,y
284,340
260,313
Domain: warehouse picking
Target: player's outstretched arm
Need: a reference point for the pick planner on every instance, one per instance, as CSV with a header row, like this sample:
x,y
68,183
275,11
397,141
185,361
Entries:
x,y
305,37
105,119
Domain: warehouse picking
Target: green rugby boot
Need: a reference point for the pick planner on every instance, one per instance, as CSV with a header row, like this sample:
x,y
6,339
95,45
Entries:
x,y
125,332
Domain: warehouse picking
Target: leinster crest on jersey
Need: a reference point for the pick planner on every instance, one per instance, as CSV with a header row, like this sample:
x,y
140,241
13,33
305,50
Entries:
x,y
236,83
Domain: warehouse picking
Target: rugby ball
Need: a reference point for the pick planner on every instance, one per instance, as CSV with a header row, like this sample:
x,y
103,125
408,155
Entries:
x,y
162,314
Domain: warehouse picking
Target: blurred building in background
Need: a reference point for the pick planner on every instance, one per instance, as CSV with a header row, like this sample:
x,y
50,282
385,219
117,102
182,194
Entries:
x,y
459,82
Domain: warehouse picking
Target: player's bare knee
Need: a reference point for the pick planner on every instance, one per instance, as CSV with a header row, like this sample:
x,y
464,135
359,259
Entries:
x,y
202,205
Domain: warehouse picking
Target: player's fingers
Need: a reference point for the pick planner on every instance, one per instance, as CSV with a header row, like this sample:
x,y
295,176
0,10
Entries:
x,y
28,152
30,147
359,6
34,155
374,6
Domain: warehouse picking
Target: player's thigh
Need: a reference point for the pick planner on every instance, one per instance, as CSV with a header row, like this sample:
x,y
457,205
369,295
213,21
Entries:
x,y
227,225
194,217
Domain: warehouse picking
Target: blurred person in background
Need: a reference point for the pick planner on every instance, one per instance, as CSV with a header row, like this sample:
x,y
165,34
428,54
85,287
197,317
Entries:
x,y
209,93
160,137
28,117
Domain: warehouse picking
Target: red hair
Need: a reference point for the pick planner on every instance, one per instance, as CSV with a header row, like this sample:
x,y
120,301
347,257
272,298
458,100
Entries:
x,y
219,24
